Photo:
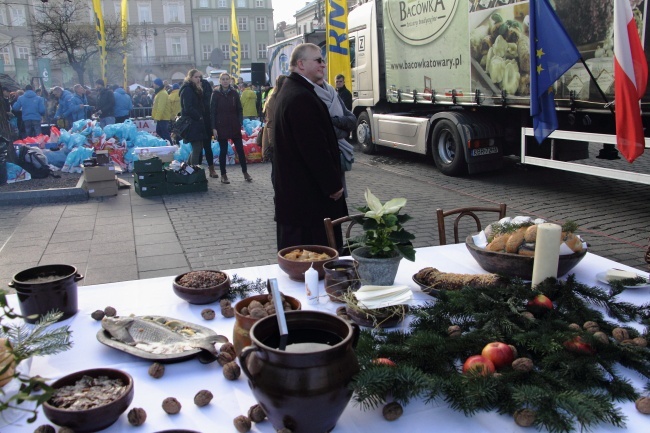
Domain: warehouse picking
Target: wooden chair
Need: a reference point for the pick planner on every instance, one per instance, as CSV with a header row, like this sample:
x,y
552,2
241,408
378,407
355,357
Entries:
x,y
461,212
329,230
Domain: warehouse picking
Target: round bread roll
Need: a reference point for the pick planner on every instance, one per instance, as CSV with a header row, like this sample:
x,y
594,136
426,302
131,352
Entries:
x,y
531,234
515,240
573,242
498,243
526,251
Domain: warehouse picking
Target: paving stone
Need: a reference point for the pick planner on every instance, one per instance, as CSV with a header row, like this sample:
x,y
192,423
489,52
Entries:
x,y
66,247
164,272
111,275
70,257
154,229
159,249
115,261
75,236
109,247
155,238
161,262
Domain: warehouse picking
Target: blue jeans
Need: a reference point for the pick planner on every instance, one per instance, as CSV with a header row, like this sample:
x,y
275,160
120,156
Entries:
x,y
32,128
162,129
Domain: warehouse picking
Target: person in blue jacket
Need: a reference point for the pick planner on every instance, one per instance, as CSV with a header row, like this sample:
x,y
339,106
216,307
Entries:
x,y
33,109
63,111
76,109
123,104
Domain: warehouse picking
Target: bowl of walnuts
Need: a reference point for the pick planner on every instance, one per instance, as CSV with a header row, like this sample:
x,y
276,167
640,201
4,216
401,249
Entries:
x,y
201,287
296,260
89,400
511,249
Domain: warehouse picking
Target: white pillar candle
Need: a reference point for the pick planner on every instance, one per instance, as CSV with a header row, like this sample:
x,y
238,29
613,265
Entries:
x,y
311,285
547,252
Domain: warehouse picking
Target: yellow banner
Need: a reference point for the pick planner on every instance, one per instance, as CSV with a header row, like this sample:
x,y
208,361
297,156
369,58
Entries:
x,y
235,59
337,42
101,35
124,15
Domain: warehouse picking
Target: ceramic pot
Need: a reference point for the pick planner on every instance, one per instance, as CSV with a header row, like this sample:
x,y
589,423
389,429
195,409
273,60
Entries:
x,y
46,288
243,324
305,387
340,277
376,271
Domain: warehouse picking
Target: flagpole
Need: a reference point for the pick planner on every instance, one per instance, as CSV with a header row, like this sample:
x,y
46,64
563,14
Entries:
x,y
607,103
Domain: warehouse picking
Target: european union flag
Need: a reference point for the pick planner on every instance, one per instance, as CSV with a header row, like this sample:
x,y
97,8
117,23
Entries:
x,y
552,53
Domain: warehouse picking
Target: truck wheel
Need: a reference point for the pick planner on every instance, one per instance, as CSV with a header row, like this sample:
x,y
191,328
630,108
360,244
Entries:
x,y
364,136
447,149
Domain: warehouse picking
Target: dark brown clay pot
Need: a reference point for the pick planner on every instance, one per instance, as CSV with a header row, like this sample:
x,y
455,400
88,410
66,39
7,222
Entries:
x,y
202,295
46,288
305,388
243,324
341,276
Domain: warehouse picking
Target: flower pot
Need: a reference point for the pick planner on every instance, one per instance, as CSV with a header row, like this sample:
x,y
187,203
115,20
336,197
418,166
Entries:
x,y
376,271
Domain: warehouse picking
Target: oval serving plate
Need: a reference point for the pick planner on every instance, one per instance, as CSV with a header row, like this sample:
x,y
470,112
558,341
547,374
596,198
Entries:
x,y
600,276
426,289
105,338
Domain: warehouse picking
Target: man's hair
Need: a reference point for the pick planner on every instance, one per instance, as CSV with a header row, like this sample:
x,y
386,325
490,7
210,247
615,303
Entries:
x,y
100,82
300,53
340,77
28,87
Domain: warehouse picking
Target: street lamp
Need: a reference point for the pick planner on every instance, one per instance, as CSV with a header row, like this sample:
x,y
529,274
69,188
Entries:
x,y
319,14
146,33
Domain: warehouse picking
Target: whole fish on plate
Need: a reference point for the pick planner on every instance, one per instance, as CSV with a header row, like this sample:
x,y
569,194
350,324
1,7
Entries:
x,y
155,337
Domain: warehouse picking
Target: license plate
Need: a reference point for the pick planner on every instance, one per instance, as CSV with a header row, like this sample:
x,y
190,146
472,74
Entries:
x,y
485,151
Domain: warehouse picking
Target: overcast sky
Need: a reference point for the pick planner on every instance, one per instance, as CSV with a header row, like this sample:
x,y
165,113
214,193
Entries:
x,y
283,10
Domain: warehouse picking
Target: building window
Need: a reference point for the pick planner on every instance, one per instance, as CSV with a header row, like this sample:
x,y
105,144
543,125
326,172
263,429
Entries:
x,y
173,13
245,51
206,50
225,48
259,3
242,24
3,17
17,16
144,13
203,3
22,53
222,4
260,23
242,3
117,8
224,24
261,51
176,46
5,55
205,24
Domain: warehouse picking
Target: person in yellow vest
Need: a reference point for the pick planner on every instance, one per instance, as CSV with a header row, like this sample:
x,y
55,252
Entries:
x,y
249,102
175,101
161,110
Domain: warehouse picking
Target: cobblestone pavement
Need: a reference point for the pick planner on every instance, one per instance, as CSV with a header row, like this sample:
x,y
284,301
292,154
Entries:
x,y
128,237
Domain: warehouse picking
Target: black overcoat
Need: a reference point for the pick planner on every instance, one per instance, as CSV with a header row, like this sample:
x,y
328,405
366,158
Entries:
x,y
226,113
192,105
306,157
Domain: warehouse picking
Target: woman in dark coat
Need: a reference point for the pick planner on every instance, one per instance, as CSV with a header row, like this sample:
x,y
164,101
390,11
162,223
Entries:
x,y
207,143
192,106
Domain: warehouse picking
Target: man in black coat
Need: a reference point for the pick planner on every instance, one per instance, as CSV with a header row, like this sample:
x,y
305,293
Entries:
x,y
343,91
307,165
105,104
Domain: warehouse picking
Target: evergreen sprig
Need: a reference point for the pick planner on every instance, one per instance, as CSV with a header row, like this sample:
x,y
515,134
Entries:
x,y
565,388
241,288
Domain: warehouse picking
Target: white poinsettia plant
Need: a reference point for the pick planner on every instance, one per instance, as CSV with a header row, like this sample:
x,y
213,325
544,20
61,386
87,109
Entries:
x,y
382,227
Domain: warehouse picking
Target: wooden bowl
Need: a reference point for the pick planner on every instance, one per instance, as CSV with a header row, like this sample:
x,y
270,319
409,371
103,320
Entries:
x,y
514,265
296,269
97,418
380,318
203,295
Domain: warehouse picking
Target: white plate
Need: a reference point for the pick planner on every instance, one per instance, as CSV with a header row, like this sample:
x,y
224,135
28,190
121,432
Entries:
x,y
600,276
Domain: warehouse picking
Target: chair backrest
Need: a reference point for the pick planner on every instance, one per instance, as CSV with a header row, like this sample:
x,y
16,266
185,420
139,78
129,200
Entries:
x,y
461,212
329,230
647,253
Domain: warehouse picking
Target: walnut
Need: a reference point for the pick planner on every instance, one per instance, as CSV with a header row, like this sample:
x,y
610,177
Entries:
x,y
231,371
643,405
224,358
620,334
208,314
110,311
525,417
228,312
98,314
228,348
591,327
256,413
137,416
258,313
602,337
45,428
255,304
225,303
575,327
392,411
244,311
157,370
522,364
454,331
515,354
270,309
65,430
528,315
242,424
203,398
171,405
640,341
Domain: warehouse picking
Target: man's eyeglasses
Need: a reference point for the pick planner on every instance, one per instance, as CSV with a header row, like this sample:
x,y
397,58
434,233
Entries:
x,y
319,60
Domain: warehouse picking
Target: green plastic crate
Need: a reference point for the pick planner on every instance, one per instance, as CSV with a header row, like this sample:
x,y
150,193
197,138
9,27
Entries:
x,y
152,165
182,188
176,178
150,190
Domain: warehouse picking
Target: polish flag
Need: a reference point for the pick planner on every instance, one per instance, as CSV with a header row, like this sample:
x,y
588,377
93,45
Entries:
x,y
631,76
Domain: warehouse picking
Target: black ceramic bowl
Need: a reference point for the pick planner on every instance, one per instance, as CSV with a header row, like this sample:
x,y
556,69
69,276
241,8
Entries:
x,y
514,265
296,269
203,295
95,419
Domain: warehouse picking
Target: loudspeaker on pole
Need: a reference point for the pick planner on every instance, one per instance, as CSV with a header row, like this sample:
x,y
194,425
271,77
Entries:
x,y
258,73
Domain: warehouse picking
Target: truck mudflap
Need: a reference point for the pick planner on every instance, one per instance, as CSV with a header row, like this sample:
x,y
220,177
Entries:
x,y
466,142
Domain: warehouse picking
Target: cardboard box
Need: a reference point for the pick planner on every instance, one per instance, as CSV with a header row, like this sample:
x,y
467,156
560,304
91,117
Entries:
x,y
102,157
182,188
149,178
99,173
176,177
151,165
149,190
102,188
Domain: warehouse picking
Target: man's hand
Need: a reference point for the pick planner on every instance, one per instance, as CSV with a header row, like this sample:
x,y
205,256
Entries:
x,y
337,195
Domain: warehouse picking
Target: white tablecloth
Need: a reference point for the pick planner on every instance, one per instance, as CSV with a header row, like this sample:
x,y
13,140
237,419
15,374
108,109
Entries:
x,y
183,380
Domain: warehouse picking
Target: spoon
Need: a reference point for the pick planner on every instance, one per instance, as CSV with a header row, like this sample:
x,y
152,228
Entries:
x,y
272,287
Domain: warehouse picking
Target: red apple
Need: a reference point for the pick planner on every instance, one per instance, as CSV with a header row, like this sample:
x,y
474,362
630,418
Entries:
x,y
540,304
479,364
578,345
499,353
384,361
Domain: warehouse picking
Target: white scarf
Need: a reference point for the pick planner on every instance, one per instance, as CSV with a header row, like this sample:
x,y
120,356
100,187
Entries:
x,y
328,95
